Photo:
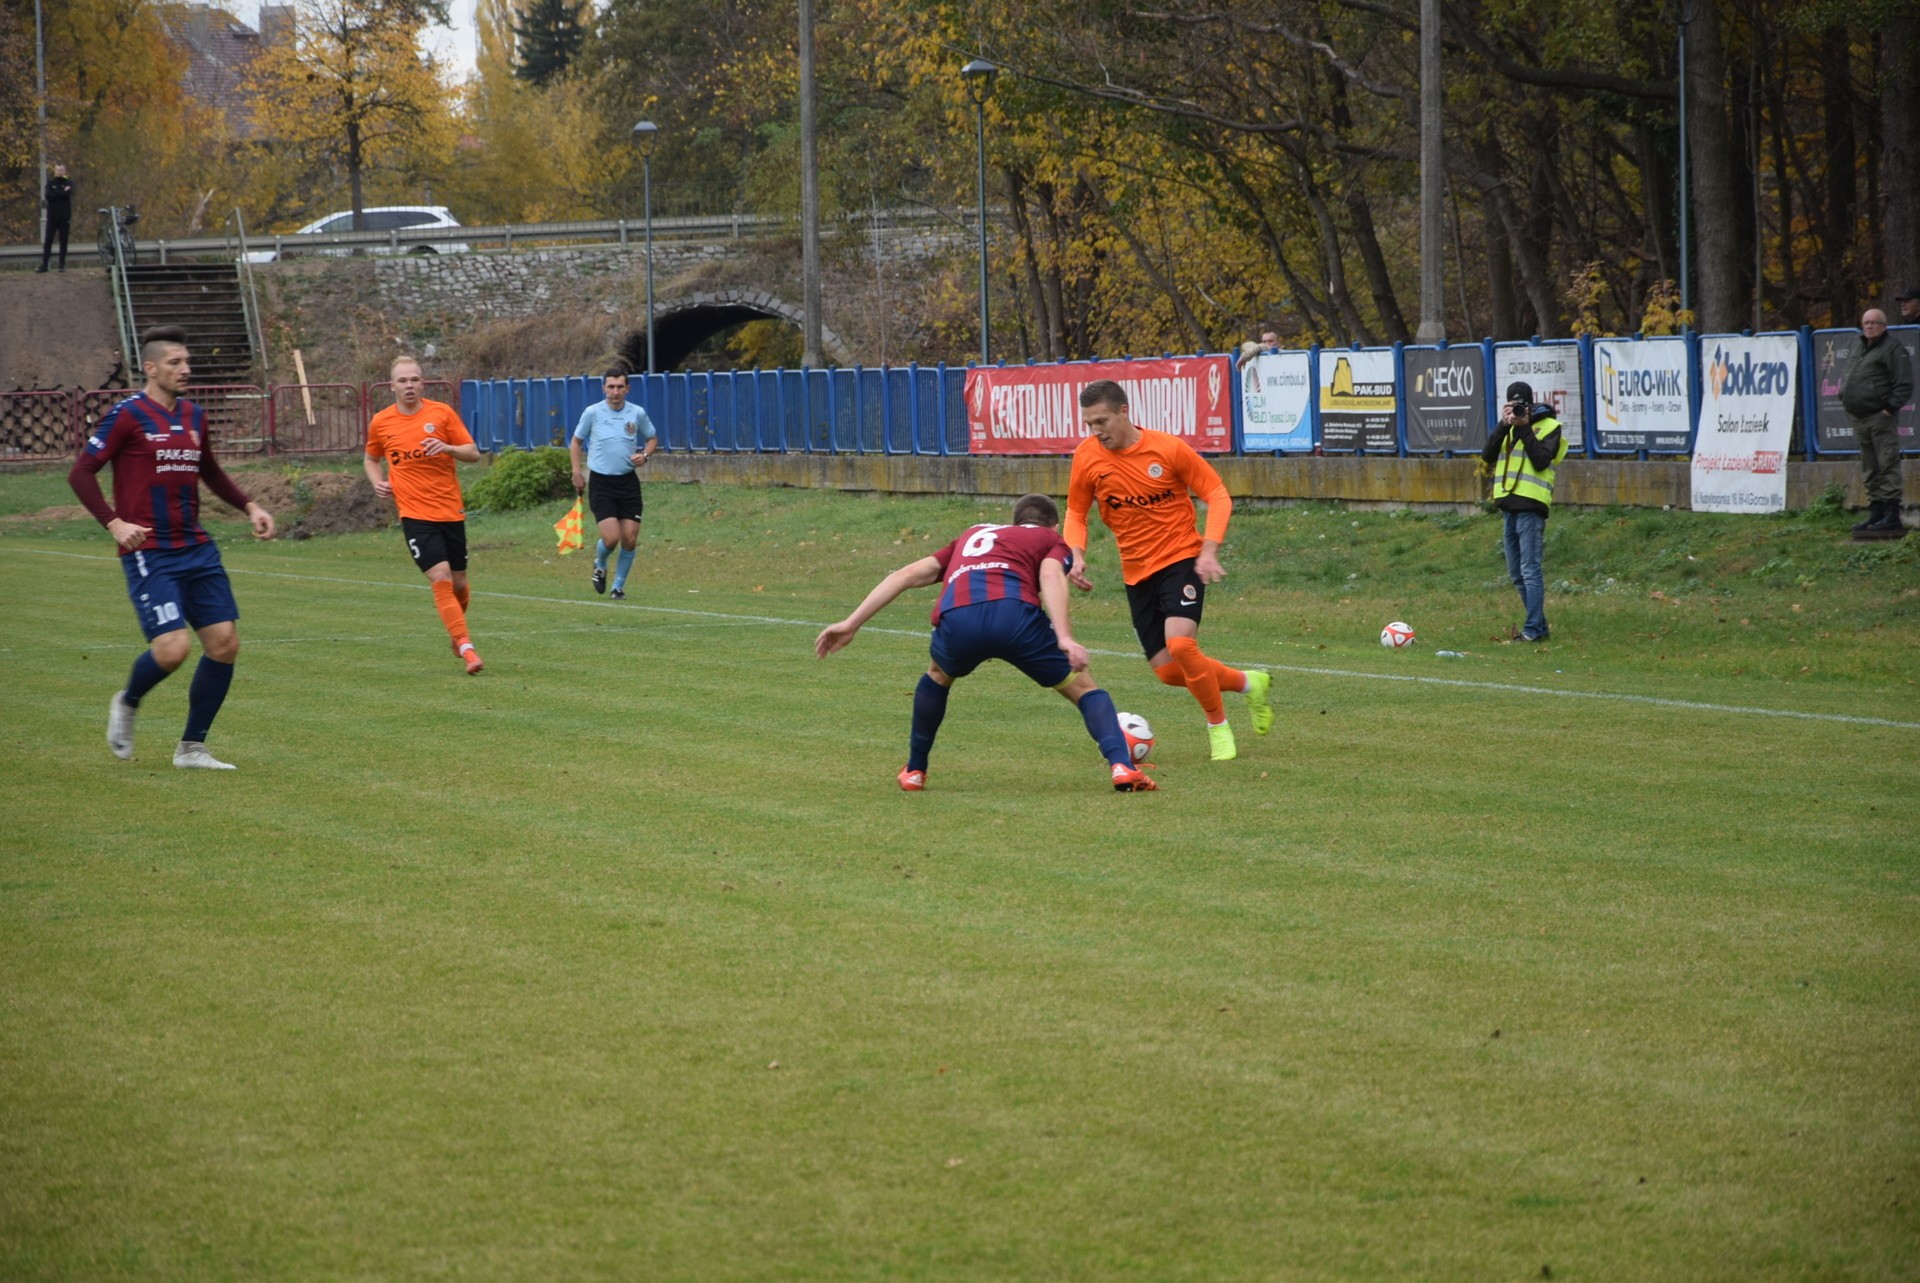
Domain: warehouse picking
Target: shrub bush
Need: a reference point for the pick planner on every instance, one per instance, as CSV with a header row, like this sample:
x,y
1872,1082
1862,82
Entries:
x,y
524,479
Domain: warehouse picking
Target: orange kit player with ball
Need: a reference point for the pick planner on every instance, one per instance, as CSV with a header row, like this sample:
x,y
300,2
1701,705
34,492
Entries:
x,y
1144,482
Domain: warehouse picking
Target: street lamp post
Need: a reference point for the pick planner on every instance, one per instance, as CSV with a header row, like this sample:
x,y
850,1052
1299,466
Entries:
x,y
644,135
979,75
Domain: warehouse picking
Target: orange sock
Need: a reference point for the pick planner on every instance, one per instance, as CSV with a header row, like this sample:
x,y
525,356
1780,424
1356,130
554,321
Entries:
x,y
1228,679
448,604
463,593
1198,669
1170,673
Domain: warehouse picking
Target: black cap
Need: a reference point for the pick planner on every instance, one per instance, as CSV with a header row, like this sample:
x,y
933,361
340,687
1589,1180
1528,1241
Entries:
x,y
1520,392
1910,294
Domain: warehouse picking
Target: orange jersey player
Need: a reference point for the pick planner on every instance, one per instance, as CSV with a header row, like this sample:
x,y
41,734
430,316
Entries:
x,y
1144,482
418,440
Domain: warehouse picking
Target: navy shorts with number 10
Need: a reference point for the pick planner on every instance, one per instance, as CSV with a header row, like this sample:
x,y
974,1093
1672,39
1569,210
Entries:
x,y
1016,631
175,588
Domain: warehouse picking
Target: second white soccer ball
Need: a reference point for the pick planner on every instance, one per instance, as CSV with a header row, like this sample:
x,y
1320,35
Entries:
x,y
1396,636
1139,736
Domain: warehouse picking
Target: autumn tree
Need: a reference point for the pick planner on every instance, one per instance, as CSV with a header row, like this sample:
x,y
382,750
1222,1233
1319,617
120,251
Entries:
x,y
354,88
548,35
529,152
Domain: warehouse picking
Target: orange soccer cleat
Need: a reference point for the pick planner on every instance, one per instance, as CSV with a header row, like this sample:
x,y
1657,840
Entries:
x,y
464,649
1127,779
912,781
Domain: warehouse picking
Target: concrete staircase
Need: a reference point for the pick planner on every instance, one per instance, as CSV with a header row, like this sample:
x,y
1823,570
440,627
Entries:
x,y
204,300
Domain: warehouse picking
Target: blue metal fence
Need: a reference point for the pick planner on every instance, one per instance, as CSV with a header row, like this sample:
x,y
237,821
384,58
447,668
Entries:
x,y
921,409
910,409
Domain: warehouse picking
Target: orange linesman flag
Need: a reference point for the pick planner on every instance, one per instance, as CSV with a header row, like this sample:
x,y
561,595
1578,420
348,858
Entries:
x,y
569,529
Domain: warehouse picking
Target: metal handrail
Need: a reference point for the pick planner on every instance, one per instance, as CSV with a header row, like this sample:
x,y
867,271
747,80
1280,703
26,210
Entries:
x,y
605,231
249,297
122,294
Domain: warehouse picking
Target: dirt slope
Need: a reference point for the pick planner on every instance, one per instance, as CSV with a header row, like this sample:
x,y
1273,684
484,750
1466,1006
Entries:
x,y
56,329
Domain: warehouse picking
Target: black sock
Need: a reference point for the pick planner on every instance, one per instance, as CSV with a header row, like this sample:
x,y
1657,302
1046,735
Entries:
x,y
1103,723
929,710
146,675
209,690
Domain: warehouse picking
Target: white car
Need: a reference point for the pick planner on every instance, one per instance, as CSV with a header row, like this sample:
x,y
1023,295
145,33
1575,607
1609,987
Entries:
x,y
385,218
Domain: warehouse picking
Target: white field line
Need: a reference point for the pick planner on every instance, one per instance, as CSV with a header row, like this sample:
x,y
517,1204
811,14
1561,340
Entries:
x,y
1505,688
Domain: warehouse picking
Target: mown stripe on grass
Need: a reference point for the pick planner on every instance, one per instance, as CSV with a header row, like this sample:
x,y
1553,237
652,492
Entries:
x,y
1507,688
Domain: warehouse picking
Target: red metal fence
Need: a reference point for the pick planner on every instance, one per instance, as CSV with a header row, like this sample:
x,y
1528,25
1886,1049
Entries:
x,y
242,419
318,418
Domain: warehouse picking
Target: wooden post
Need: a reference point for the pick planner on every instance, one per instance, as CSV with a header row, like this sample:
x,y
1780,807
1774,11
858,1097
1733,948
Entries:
x,y
306,393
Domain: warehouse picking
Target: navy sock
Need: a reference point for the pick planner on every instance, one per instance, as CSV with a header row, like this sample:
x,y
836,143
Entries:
x,y
146,675
929,710
1103,723
209,690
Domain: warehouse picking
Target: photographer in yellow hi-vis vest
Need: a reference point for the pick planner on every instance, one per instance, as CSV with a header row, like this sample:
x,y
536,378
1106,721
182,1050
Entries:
x,y
1521,456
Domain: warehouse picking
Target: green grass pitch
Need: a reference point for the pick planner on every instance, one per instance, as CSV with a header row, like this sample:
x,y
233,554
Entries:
x,y
627,960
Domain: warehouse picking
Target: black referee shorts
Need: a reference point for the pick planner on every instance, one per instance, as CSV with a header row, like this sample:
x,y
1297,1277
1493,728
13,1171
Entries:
x,y
614,497
1168,593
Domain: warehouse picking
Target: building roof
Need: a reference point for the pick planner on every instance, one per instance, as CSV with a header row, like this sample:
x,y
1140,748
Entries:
x,y
220,51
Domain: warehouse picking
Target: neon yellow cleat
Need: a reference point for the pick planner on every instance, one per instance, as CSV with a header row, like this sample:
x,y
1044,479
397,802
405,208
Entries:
x,y
1221,739
1258,684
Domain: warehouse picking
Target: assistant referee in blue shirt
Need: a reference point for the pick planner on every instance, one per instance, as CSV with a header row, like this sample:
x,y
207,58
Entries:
x,y
618,439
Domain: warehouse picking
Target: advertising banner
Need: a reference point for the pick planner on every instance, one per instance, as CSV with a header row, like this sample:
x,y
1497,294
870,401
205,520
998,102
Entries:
x,y
1644,400
1357,401
1552,370
1276,392
1035,409
1832,349
1746,422
1446,399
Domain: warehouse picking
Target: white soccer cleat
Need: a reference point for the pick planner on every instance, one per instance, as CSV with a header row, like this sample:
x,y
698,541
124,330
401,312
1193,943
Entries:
x,y
120,726
195,757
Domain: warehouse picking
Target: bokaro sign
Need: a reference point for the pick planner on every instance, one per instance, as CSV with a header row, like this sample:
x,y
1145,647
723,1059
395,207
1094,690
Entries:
x,y
1035,409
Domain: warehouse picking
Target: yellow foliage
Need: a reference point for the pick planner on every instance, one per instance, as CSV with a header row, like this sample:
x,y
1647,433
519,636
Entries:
x,y
354,90
1585,291
1663,314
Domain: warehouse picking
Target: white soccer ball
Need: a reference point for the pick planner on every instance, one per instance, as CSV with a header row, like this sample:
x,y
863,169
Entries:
x,y
1396,636
1139,736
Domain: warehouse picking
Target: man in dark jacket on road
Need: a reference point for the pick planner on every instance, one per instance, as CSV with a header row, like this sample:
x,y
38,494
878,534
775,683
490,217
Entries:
x,y
1878,382
59,199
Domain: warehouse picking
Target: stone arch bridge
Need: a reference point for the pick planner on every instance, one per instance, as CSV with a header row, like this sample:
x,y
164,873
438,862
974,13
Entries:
x,y
875,290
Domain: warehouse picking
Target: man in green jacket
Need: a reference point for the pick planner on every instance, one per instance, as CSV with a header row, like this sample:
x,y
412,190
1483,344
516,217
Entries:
x,y
1878,382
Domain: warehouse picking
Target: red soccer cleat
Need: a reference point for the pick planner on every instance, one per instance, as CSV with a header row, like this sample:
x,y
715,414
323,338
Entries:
x,y
464,649
912,781
1128,780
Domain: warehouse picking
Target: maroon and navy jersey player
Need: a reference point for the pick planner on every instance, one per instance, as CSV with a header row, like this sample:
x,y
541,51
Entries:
x,y
997,563
999,600
157,444
159,459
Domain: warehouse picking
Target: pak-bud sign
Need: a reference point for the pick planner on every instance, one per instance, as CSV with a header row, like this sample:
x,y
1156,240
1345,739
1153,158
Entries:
x,y
1357,403
1746,422
1644,397
1035,409
1276,393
